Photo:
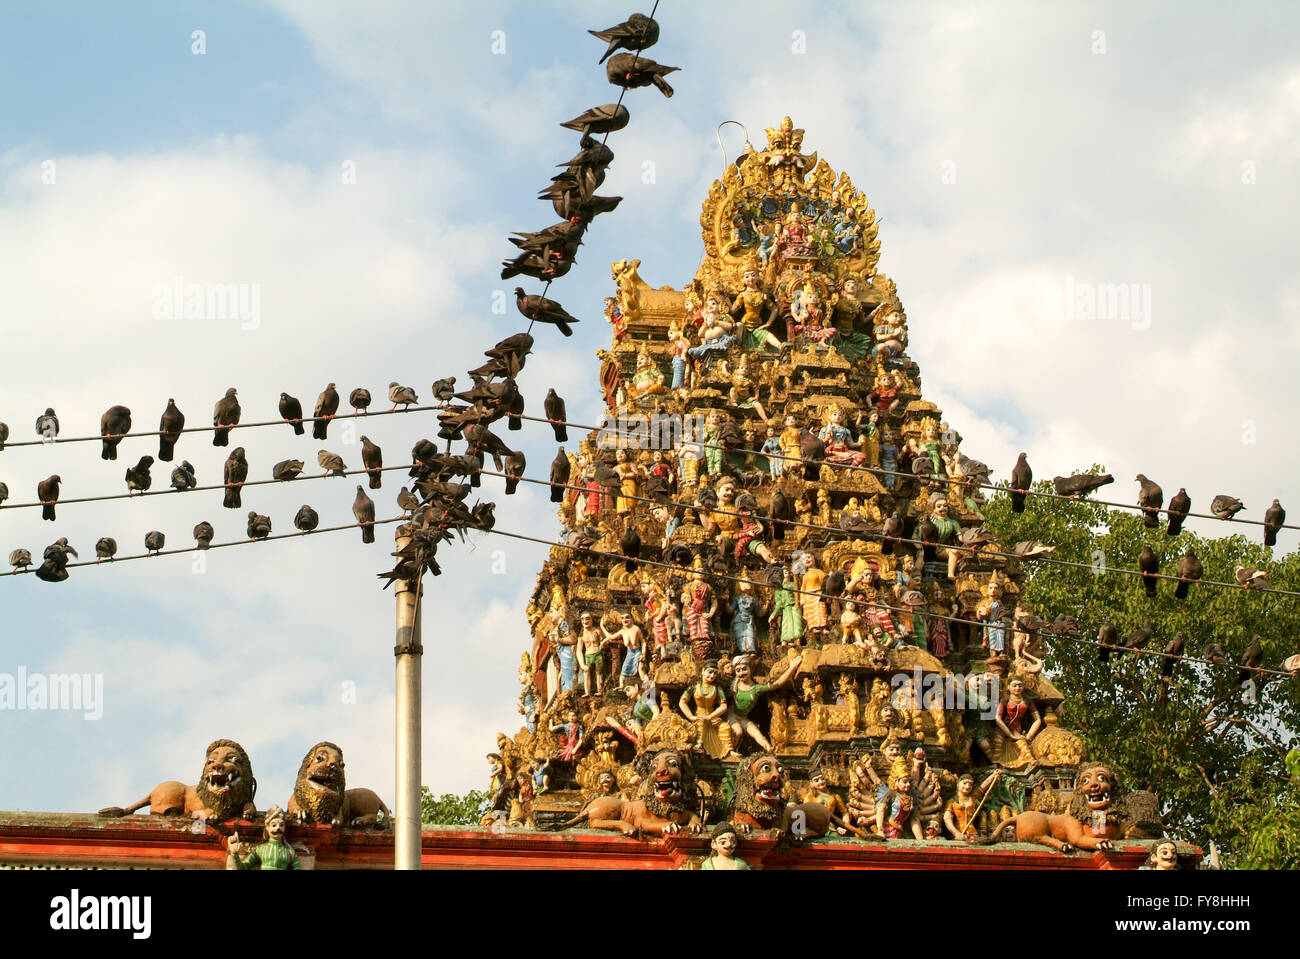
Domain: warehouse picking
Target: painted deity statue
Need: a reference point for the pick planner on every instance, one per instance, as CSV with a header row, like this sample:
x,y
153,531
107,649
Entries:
x,y
744,388
786,620
1018,719
744,613
745,694
749,309
841,448
274,852
647,379
705,704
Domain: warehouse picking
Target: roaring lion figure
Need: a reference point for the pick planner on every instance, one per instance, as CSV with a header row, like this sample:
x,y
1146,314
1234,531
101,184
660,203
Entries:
x,y
760,785
320,793
224,791
1098,813
665,805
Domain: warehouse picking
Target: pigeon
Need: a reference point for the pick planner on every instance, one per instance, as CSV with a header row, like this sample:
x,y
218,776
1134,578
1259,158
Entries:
x,y
629,71
1108,641
47,425
106,548
138,478
363,508
560,469
113,425
1226,507
975,538
1022,477
1250,660
1080,484
327,404
373,459
359,399
1179,506
4,493
1173,652
236,471
539,309
1274,517
1139,638
402,396
1292,665
1214,653
225,415
630,545
1032,549
154,541
781,511
170,425
606,118
1065,625
482,439
592,155
54,567
4,434
813,451
557,414
636,33
286,470
585,209
259,527
306,519
291,412
1149,564
891,531
444,389
856,525
1150,497
1189,570
540,267
20,558
1250,577
407,501
331,463
203,533
515,464
47,491
516,413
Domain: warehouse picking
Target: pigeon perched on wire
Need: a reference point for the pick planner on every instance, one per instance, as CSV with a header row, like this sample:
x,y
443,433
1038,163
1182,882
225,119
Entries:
x,y
1150,497
636,33
372,457
514,470
557,413
4,493
1226,507
291,412
286,470
359,399
606,118
106,548
1190,570
47,425
203,534
1180,504
1250,577
327,405
47,491
170,425
54,565
560,469
306,519
1250,660
1173,653
113,425
138,477
331,463
1032,549
445,389
781,512
20,558
1107,641
1022,477
1149,564
402,396
1139,638
1080,484
586,209
363,508
225,416
1215,654
154,541
891,531
234,474
4,434
543,310
516,413
407,501
259,526
630,71
1274,518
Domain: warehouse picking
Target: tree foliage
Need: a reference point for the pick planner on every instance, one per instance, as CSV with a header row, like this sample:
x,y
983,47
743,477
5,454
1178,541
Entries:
x,y
1214,751
452,810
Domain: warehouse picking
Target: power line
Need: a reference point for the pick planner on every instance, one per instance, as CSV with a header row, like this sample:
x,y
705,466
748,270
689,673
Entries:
x,y
872,534
1117,650
935,479
196,549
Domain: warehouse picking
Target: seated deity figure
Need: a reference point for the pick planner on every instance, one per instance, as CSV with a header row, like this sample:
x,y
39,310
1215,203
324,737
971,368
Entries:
x,y
749,309
841,448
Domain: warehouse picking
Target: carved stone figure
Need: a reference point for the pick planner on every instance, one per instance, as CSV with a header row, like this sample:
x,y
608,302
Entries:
x,y
320,793
225,789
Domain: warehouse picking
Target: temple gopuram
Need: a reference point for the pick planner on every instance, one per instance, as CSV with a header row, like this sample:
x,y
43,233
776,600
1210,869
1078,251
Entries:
x,y
756,614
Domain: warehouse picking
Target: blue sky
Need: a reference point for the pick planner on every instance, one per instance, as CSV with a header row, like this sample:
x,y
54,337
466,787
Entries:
x,y
1122,159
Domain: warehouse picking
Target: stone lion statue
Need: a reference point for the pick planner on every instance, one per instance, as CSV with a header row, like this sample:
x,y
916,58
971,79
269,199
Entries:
x,y
1098,813
225,789
760,793
665,804
320,793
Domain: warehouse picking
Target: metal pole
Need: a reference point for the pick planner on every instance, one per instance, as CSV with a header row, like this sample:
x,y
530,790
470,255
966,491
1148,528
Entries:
x,y
410,655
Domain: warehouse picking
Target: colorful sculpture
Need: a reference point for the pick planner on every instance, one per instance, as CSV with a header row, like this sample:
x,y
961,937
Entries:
x,y
225,789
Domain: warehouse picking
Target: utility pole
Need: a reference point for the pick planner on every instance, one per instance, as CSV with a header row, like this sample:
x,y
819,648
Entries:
x,y
410,659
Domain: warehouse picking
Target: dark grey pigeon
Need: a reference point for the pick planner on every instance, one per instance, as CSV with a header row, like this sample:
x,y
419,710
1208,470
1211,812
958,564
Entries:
x,y
203,533
106,548
629,71
54,567
1189,571
1226,507
363,508
154,541
286,470
1022,477
444,389
259,526
1080,484
138,478
636,33
183,477
1180,504
236,471
372,457
47,425
47,491
170,425
1108,640
543,310
1250,660
4,434
20,558
1173,653
1150,497
327,404
225,416
557,413
1274,518
331,463
291,412
606,118
359,399
560,469
113,425
307,519
515,465
4,493
1149,564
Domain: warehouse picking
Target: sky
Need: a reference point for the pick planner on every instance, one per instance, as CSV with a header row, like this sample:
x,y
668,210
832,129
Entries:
x,y
360,167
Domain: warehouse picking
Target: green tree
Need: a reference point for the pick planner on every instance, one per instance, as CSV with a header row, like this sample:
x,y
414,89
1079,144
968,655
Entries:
x,y
1214,751
452,810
